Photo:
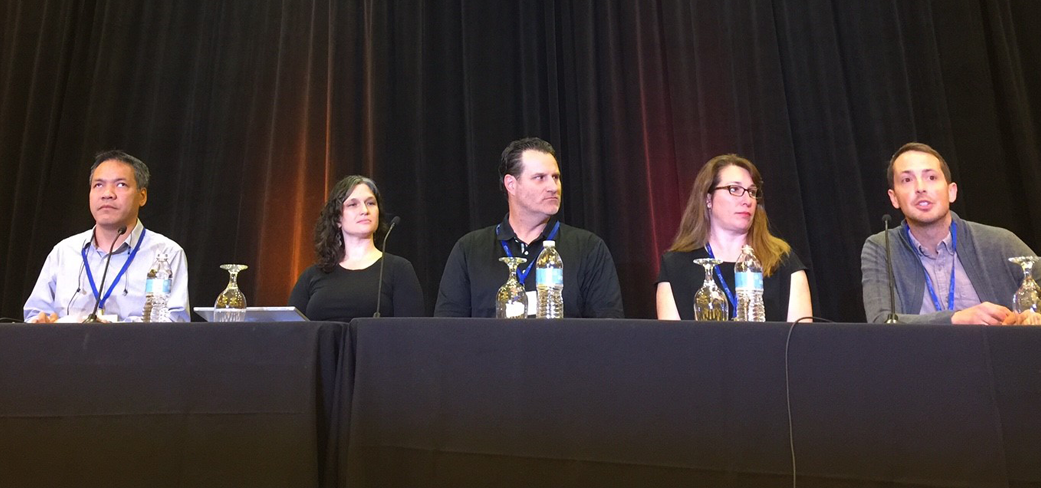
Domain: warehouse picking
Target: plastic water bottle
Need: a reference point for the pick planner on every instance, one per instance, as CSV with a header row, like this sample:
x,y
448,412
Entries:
x,y
748,281
157,291
549,282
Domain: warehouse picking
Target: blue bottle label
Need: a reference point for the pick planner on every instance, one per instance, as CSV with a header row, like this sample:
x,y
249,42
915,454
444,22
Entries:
x,y
151,287
549,277
748,280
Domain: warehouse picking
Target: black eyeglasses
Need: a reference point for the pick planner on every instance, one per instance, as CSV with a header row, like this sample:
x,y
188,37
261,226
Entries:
x,y
739,191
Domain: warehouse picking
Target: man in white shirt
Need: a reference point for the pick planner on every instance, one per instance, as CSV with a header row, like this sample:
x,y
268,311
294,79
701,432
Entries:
x,y
70,282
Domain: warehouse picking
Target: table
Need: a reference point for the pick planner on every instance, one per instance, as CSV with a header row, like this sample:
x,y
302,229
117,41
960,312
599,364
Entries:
x,y
168,404
468,402
482,402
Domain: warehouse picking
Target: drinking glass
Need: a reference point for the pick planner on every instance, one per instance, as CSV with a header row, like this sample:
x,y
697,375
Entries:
x,y
231,303
1027,296
710,304
512,300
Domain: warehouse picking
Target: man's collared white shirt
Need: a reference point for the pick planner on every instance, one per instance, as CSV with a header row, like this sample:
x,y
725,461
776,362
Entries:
x,y
64,288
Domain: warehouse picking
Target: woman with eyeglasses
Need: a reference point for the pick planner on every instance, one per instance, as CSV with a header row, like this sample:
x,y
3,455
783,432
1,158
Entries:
x,y
723,214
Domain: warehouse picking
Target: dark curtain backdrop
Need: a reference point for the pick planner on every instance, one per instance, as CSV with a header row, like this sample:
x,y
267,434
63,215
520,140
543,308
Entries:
x,y
247,111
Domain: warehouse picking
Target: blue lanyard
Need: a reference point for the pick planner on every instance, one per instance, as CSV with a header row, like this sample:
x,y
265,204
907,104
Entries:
x,y
929,281
723,283
90,277
521,274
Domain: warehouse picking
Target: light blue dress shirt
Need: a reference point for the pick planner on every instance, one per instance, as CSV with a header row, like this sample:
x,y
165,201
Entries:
x,y
938,267
64,288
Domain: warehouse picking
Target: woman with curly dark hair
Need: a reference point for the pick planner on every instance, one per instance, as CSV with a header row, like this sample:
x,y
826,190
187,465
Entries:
x,y
342,283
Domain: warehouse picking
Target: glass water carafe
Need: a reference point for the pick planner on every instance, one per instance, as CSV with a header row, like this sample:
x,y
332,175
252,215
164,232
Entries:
x,y
512,300
710,304
231,303
1027,296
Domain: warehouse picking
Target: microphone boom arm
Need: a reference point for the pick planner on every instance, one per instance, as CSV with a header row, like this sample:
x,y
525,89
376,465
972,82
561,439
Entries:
x,y
93,317
891,318
383,261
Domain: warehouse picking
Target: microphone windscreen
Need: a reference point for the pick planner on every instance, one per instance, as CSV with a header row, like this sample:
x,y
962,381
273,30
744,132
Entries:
x,y
122,230
395,220
886,218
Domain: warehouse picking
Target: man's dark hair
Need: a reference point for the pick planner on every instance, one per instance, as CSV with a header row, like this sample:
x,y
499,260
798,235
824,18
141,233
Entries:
x,y
510,162
920,147
141,173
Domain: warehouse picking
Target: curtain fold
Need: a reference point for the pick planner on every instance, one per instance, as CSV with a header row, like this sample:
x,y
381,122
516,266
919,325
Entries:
x,y
248,111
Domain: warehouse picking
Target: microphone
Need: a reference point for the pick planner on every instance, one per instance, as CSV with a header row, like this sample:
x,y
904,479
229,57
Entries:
x,y
379,289
93,317
891,319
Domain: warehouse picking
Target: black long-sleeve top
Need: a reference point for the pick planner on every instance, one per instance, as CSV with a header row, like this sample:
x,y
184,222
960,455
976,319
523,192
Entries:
x,y
344,294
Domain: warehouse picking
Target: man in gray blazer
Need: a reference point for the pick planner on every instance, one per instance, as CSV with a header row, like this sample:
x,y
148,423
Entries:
x,y
945,269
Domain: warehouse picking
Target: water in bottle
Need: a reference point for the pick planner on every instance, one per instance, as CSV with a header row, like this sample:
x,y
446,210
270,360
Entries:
x,y
748,282
146,314
157,291
549,282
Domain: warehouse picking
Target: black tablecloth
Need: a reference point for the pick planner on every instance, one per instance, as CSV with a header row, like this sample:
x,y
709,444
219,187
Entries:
x,y
167,404
427,402
444,402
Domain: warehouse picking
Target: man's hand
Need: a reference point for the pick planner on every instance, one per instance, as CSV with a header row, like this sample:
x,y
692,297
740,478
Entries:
x,y
1029,318
985,313
44,318
1025,318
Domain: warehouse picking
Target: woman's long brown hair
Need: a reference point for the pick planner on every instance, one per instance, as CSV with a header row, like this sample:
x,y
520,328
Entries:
x,y
695,224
